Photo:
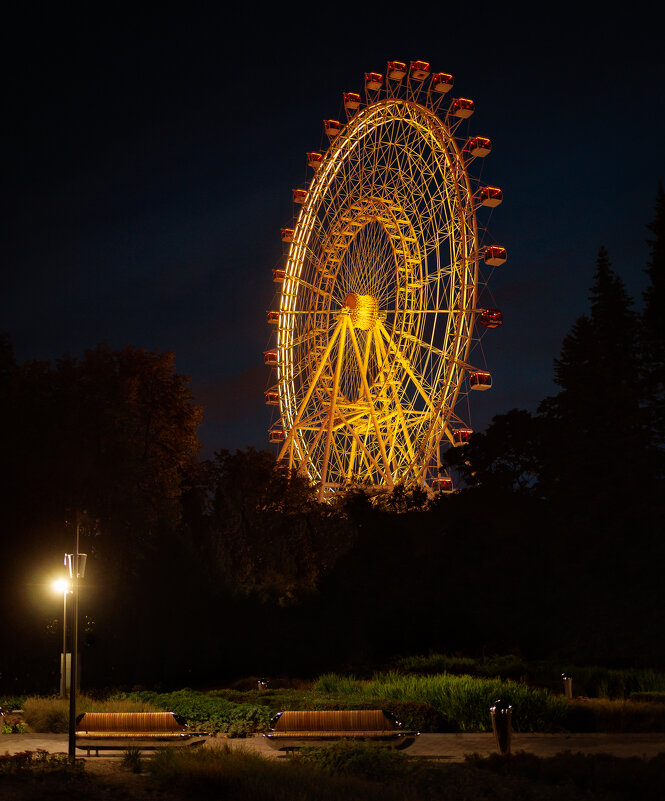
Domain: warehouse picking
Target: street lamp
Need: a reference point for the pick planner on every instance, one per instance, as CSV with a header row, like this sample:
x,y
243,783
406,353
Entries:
x,y
76,562
63,586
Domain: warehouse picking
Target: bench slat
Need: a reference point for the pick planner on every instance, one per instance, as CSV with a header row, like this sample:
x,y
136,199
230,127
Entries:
x,y
130,722
334,720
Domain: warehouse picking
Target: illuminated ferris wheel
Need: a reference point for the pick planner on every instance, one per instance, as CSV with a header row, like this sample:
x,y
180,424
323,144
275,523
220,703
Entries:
x,y
378,290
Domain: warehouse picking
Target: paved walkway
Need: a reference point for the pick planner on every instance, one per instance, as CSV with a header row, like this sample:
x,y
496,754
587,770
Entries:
x,y
444,747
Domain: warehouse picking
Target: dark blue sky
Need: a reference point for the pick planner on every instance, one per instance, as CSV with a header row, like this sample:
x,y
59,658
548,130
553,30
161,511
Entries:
x,y
151,158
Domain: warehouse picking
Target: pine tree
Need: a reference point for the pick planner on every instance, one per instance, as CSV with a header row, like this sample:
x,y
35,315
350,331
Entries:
x,y
596,442
652,329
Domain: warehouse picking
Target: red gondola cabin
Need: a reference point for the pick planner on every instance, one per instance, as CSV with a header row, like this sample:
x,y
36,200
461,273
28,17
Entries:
x,y
480,380
396,70
442,82
373,80
491,318
351,101
287,234
270,356
299,195
273,316
462,107
272,397
490,196
278,275
332,128
276,435
462,436
479,146
314,160
495,256
419,70
442,484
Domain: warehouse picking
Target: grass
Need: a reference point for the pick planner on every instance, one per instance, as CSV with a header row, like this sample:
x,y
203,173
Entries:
x,y
234,775
51,714
131,759
462,702
588,680
354,771
425,702
363,772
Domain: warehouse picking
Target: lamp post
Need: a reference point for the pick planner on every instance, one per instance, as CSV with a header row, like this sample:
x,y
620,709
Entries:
x,y
63,586
76,562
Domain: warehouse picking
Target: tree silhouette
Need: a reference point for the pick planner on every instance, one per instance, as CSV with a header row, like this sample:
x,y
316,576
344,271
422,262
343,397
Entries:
x,y
595,442
652,332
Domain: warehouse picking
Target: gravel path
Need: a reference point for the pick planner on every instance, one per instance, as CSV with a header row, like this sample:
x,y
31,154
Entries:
x,y
448,747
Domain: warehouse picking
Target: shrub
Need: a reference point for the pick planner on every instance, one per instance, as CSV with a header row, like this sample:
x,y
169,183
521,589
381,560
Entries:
x,y
38,760
605,715
366,760
13,726
210,713
131,759
11,702
652,698
236,775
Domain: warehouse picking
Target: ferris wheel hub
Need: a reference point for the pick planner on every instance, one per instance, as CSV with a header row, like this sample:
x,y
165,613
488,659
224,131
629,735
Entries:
x,y
364,310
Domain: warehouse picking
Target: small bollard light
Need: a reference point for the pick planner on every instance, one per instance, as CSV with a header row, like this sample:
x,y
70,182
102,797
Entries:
x,y
262,684
567,685
502,725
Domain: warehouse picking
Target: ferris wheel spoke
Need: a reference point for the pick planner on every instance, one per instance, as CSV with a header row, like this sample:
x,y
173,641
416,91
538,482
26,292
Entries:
x,y
338,370
406,365
368,397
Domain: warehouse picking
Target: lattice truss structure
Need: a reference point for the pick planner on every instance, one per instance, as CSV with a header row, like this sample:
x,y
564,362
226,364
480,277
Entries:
x,y
378,291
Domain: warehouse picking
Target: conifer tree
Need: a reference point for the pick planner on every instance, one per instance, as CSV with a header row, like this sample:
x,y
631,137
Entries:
x,y
596,441
652,329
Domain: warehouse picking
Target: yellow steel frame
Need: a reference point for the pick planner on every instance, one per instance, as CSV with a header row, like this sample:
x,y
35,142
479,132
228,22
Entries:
x,y
389,214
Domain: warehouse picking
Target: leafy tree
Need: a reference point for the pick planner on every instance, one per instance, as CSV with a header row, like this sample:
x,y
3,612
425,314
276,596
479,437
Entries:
x,y
110,433
273,539
506,458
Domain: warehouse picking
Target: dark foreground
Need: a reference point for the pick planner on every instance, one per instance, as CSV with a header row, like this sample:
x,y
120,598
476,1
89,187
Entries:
x,y
587,768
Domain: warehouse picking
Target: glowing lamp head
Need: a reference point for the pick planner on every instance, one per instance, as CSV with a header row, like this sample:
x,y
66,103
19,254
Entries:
x,y
61,585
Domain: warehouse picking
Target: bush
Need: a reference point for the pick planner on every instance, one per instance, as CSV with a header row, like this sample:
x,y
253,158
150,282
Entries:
x,y
366,760
502,667
235,775
609,683
651,698
605,715
38,760
210,712
11,702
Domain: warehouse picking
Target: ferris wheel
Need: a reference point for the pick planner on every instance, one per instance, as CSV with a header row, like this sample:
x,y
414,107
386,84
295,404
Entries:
x,y
378,290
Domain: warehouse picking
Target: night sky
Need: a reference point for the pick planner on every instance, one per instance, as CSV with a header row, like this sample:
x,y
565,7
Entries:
x,y
150,159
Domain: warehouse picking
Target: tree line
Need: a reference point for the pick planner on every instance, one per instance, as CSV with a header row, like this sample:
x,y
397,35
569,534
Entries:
x,y
203,570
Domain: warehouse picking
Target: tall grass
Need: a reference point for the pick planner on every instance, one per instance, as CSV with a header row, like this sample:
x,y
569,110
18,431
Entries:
x,y
602,682
592,681
463,701
52,714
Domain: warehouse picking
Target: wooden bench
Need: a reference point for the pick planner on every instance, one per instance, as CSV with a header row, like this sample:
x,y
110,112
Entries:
x,y
289,730
119,730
